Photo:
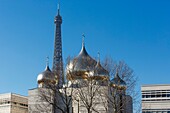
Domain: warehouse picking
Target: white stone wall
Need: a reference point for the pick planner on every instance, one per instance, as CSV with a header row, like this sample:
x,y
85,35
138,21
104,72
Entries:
x,y
13,103
39,100
36,104
99,102
4,105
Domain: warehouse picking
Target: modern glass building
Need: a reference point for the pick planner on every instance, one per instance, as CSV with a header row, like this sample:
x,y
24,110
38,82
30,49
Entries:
x,y
156,98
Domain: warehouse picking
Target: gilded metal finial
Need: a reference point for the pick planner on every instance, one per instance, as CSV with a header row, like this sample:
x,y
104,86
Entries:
x,y
98,56
47,61
116,71
83,36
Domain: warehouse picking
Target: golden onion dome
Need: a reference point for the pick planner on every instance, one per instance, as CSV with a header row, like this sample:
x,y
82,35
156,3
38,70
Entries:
x,y
46,78
81,65
100,73
118,82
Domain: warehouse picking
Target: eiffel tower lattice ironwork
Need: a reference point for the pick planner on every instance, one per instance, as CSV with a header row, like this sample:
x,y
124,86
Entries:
x,y
57,58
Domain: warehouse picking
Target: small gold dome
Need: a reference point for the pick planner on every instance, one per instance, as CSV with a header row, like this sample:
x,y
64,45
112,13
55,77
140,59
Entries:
x,y
46,78
100,73
118,82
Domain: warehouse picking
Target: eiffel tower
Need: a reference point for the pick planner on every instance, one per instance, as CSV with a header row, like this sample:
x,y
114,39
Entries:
x,y
57,58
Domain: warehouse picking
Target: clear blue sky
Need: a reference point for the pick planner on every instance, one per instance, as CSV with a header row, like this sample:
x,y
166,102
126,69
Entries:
x,y
137,32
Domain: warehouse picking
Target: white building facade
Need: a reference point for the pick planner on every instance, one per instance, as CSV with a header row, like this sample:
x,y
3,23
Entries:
x,y
155,98
13,103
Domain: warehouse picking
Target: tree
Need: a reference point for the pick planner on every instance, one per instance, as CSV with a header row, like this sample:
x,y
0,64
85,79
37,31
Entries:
x,y
87,92
125,73
91,91
49,97
89,78
53,100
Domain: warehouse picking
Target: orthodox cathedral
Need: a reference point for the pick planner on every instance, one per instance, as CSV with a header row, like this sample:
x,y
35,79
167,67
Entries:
x,y
87,88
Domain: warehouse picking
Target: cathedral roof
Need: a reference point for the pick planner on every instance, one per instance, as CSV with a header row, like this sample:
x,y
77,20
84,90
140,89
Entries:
x,y
81,64
46,77
84,66
100,72
117,81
